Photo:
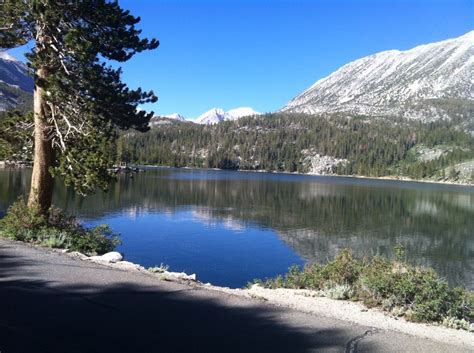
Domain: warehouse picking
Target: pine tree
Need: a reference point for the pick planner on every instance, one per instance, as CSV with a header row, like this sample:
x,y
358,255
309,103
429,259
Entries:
x,y
79,98
15,135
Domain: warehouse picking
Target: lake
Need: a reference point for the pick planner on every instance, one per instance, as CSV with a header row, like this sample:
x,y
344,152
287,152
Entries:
x,y
231,227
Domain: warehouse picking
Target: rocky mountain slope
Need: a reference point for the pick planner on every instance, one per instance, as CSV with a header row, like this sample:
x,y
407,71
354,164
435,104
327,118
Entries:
x,y
425,83
16,84
158,120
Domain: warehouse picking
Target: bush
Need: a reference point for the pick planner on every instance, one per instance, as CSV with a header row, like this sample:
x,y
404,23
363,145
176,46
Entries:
x,y
21,222
55,230
338,291
421,290
404,290
53,238
97,240
343,270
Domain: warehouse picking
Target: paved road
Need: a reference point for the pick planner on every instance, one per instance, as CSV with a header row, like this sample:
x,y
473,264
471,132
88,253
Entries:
x,y
50,303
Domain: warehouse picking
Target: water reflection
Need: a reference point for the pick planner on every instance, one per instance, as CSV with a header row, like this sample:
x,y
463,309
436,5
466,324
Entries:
x,y
316,217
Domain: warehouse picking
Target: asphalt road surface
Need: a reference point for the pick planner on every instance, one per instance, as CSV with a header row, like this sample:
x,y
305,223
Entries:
x,y
50,303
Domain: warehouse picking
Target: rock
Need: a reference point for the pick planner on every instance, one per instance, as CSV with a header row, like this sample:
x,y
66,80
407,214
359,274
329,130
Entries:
x,y
320,164
110,257
181,275
127,265
78,255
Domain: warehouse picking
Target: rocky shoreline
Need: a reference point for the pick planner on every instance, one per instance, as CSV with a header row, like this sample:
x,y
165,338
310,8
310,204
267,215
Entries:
x,y
115,259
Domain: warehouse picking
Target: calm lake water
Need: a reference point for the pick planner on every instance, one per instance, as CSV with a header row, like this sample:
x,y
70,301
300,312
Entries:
x,y
232,227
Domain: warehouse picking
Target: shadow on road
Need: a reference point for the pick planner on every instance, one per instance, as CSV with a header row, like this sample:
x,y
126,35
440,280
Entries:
x,y
38,316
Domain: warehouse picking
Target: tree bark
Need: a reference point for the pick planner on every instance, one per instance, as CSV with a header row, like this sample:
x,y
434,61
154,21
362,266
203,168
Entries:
x,y
42,182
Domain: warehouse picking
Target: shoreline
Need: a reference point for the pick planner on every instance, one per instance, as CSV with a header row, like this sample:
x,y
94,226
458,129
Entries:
x,y
300,300
361,177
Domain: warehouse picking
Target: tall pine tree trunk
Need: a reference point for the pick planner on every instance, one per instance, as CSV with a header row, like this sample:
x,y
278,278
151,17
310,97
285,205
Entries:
x,y
42,182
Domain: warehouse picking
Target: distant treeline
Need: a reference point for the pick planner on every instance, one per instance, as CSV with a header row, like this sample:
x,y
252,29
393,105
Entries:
x,y
282,142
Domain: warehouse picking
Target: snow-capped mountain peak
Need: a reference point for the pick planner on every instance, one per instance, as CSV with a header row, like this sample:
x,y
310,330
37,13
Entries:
x,y
216,115
393,82
238,113
175,116
213,116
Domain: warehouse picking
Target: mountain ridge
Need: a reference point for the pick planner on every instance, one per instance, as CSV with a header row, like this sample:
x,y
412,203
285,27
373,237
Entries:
x,y
216,115
16,83
210,117
395,82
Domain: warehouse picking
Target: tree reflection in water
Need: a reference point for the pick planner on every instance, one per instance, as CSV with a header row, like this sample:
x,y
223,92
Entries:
x,y
315,216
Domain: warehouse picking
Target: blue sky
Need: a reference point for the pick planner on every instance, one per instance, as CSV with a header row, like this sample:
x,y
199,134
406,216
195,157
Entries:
x,y
262,53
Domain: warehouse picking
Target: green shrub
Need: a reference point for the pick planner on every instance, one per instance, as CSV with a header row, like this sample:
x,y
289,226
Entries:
x,y
97,240
52,238
345,269
338,291
21,222
55,230
458,324
404,290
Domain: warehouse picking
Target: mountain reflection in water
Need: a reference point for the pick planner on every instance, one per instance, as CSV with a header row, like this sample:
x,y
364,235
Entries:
x,y
315,216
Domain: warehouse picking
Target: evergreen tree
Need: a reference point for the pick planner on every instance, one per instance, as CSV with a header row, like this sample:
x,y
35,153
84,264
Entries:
x,y
79,99
15,135
286,142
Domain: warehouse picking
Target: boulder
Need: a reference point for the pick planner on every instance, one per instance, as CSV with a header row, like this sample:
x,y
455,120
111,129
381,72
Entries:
x,y
127,265
181,275
110,257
